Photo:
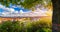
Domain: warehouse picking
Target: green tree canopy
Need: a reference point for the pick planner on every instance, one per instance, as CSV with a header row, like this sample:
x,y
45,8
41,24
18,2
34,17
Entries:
x,y
25,3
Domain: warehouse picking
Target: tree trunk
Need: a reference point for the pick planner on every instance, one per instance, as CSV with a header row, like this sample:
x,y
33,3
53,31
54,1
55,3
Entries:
x,y
56,15
56,11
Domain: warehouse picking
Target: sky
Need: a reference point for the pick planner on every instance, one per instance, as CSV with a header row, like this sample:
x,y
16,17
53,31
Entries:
x,y
15,11
13,7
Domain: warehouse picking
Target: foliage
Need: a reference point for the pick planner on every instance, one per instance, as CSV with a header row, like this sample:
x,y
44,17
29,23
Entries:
x,y
19,26
9,26
25,3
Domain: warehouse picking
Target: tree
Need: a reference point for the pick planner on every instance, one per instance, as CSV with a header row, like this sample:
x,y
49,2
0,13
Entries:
x,y
56,14
29,4
56,11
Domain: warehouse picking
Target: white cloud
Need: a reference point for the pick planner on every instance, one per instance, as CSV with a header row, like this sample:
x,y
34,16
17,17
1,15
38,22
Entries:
x,y
16,12
3,13
14,7
6,9
21,11
1,6
10,12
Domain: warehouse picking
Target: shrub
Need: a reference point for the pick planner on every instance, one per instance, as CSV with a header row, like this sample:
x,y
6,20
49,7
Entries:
x,y
19,26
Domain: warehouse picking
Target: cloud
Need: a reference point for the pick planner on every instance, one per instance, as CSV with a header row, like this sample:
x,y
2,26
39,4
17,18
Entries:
x,y
1,6
10,12
21,11
6,9
15,11
14,7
